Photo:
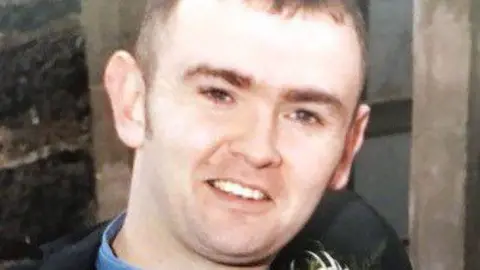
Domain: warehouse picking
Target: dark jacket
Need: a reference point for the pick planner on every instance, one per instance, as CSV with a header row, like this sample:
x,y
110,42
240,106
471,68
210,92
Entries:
x,y
345,225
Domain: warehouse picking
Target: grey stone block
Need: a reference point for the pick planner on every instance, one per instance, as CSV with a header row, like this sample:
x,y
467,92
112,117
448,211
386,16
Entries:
x,y
48,198
31,14
44,95
48,76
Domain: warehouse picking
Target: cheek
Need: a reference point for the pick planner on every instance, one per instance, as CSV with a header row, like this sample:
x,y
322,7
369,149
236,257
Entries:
x,y
309,164
310,160
183,132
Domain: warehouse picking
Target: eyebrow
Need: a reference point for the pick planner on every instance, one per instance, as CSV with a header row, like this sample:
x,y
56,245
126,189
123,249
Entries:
x,y
293,95
321,96
232,77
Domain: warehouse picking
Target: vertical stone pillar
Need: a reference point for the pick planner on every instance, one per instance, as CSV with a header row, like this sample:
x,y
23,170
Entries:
x,y
444,189
108,25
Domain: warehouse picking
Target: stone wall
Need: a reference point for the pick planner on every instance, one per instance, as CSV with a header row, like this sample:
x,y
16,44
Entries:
x,y
47,183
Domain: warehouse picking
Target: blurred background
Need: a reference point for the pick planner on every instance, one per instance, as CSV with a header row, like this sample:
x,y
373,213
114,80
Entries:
x,y
62,168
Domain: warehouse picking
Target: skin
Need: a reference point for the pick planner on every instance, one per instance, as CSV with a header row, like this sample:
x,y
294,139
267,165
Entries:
x,y
243,95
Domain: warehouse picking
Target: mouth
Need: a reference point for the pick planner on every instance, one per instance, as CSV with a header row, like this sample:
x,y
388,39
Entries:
x,y
238,190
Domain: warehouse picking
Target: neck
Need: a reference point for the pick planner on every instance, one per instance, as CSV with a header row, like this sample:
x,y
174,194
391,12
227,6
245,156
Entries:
x,y
141,247
146,242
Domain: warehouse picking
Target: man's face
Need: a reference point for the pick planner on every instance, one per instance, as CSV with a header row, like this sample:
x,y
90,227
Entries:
x,y
252,117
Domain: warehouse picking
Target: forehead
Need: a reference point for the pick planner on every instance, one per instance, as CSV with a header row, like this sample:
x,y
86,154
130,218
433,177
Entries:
x,y
313,51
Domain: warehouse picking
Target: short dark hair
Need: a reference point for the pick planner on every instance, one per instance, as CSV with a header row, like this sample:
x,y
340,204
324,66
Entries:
x,y
159,11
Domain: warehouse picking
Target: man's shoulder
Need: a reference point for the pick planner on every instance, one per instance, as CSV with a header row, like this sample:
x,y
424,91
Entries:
x,y
76,251
350,230
362,236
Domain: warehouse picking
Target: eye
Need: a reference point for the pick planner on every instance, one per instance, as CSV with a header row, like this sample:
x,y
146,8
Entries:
x,y
217,95
305,117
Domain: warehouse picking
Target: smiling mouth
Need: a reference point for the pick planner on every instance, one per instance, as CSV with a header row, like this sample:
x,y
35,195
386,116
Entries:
x,y
238,190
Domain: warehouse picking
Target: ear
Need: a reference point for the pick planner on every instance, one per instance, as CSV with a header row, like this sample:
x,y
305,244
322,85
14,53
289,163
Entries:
x,y
354,141
125,86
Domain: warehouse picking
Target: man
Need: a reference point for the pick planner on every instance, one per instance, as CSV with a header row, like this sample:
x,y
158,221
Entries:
x,y
242,114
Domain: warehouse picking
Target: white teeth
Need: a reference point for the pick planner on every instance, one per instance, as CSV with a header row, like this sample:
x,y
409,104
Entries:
x,y
238,190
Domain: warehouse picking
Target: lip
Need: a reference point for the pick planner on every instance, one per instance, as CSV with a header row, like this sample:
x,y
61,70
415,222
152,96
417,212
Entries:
x,y
236,204
244,184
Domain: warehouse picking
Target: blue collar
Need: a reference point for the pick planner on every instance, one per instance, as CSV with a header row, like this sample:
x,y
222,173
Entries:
x,y
106,259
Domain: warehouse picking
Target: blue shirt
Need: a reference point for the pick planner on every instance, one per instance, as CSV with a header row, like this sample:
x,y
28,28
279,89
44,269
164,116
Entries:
x,y
106,259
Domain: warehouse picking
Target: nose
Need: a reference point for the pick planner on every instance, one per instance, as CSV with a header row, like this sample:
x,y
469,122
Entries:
x,y
257,146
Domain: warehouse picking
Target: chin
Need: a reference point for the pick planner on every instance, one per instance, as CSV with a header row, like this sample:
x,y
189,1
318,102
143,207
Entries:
x,y
240,258
245,262
240,250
